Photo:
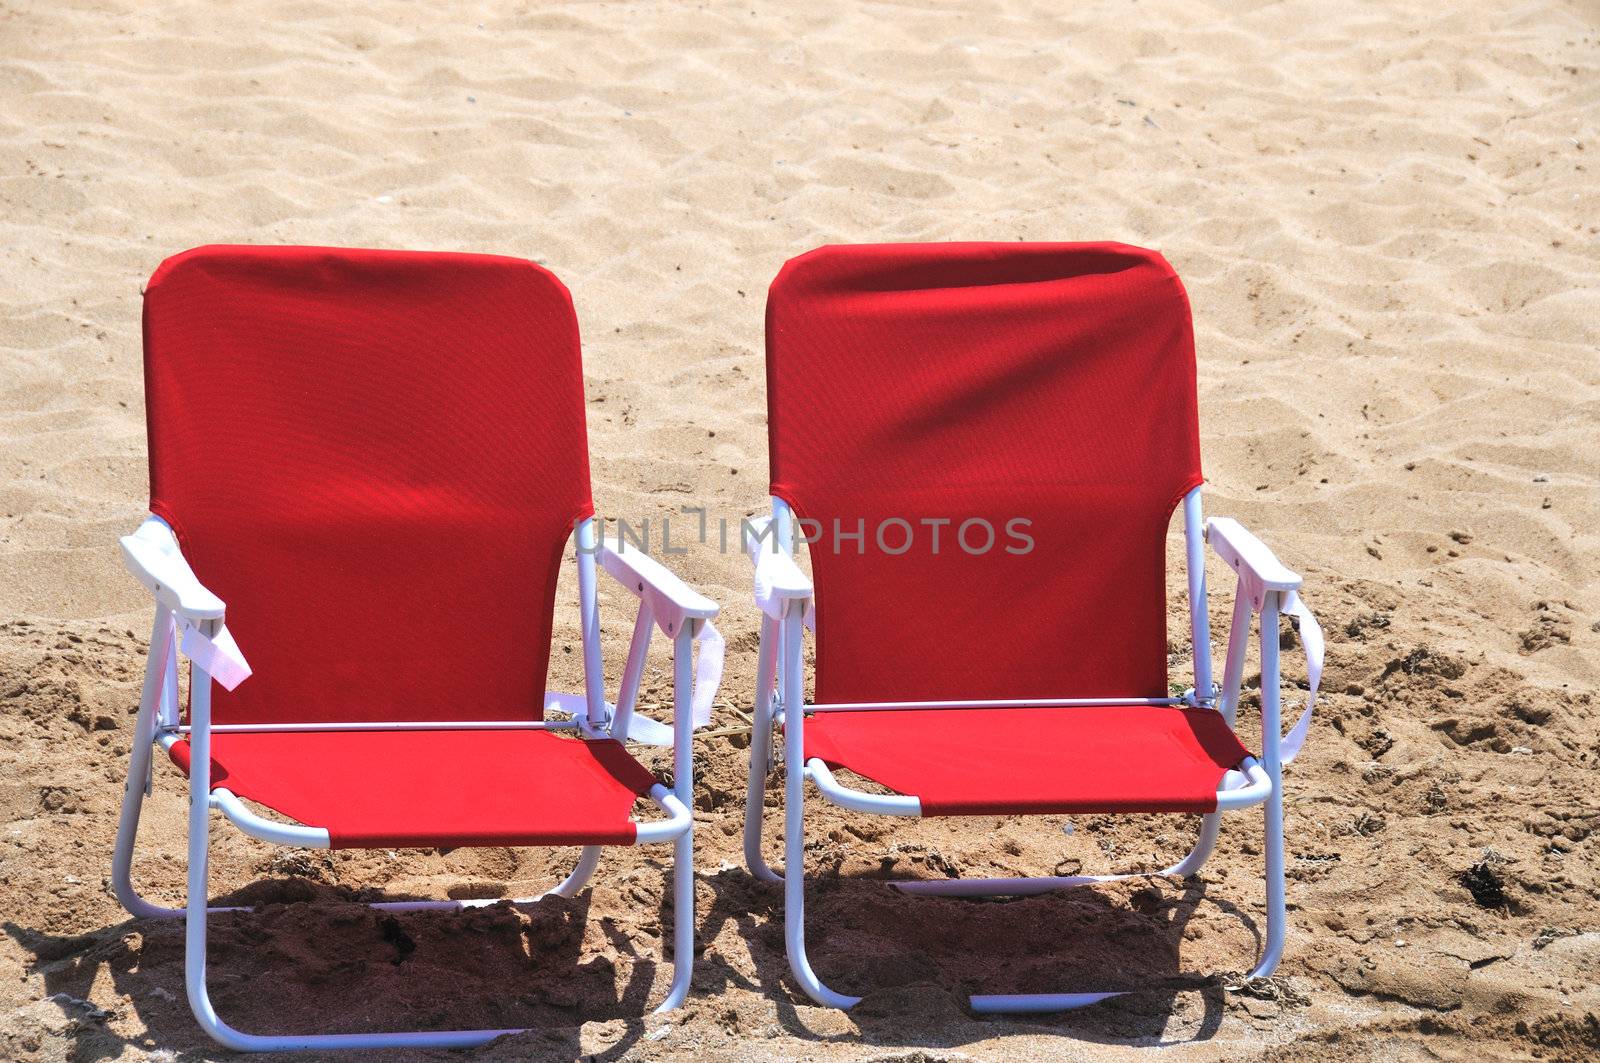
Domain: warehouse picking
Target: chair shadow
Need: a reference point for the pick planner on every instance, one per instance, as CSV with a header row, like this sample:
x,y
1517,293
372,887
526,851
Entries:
x,y
914,960
308,958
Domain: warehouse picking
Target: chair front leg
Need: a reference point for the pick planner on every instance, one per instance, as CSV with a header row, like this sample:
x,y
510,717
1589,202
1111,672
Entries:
x,y
683,913
794,832
194,939
760,753
1271,711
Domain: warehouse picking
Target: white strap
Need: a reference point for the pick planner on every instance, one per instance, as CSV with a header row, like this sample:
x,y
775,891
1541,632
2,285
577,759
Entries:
x,y
707,678
219,655
574,705
707,671
642,729
1316,650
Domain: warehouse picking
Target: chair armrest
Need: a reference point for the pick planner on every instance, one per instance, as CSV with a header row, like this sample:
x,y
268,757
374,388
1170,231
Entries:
x,y
777,578
781,574
152,554
1258,568
671,600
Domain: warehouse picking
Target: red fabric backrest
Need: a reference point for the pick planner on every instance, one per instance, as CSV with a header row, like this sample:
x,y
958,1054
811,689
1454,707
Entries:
x,y
375,458
1050,382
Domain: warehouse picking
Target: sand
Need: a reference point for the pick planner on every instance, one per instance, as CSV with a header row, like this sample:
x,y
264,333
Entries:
x,y
1387,218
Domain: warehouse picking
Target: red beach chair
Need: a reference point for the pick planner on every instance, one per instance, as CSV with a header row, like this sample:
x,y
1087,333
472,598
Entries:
x,y
983,445
376,458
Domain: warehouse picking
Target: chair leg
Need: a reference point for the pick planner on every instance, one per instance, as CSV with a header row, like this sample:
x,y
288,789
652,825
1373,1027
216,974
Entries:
x,y
760,754
794,894
683,917
127,835
588,859
1210,827
794,830
1277,913
1277,906
683,913
140,768
1271,760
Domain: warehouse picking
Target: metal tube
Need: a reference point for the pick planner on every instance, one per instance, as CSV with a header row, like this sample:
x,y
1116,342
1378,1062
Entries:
x,y
860,800
794,834
151,698
1199,616
398,725
1271,735
683,913
998,703
168,716
783,518
755,795
194,964
1233,667
589,610
633,672
1033,1003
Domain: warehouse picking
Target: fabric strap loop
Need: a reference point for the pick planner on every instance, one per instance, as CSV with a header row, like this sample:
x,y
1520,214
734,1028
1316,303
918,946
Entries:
x,y
1316,650
219,655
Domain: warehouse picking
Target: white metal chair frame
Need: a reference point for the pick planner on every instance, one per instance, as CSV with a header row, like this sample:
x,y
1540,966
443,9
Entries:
x,y
153,556
784,594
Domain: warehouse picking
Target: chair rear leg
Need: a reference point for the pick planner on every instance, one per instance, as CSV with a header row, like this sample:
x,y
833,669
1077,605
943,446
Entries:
x,y
139,772
1035,1003
1210,825
588,859
127,836
760,754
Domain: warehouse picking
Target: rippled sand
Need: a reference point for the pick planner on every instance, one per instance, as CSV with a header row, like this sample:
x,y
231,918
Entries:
x,y
1387,218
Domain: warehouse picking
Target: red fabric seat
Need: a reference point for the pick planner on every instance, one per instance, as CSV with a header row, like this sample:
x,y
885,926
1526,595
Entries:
x,y
435,788
1099,758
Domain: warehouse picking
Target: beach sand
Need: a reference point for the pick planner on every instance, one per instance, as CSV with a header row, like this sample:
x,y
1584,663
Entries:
x,y
1386,216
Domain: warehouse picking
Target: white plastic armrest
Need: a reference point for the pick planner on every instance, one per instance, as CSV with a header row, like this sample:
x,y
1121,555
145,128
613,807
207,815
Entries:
x,y
153,556
1258,568
671,600
777,578
782,575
